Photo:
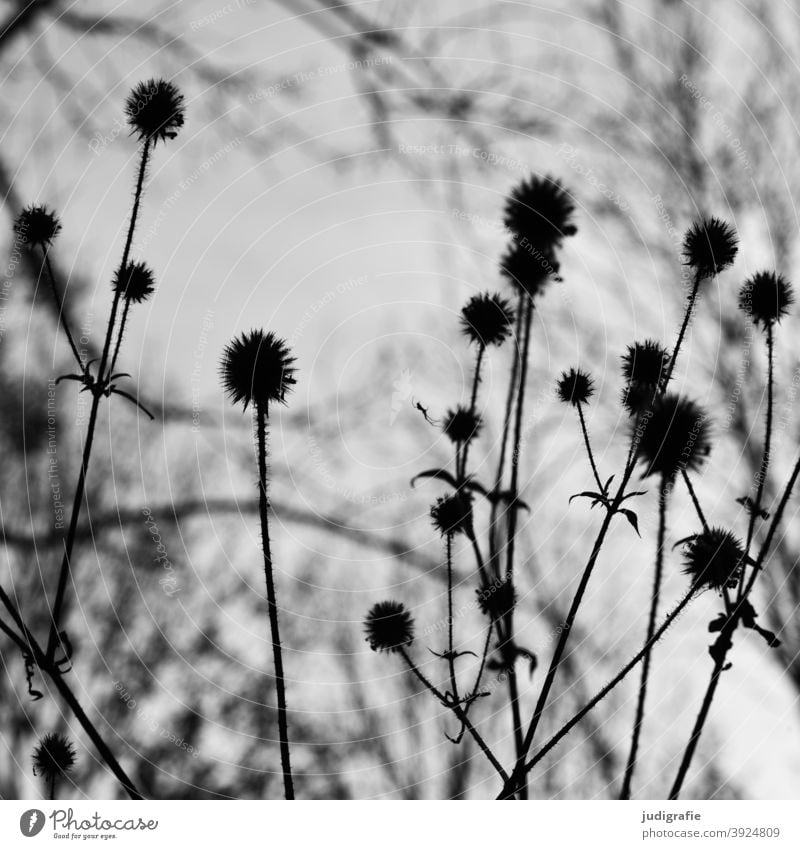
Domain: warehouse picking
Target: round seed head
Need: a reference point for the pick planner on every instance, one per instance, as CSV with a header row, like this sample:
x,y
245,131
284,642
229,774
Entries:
x,y
574,387
540,211
766,297
37,225
389,626
710,246
496,600
135,282
638,397
452,515
257,368
155,110
714,558
527,270
645,363
53,757
487,319
675,436
461,425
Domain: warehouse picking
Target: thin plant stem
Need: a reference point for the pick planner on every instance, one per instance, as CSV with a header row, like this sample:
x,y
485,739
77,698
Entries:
x,y
595,700
451,660
473,402
699,510
755,508
682,332
97,395
52,787
745,588
508,618
630,767
501,463
62,316
460,714
588,444
272,603
120,334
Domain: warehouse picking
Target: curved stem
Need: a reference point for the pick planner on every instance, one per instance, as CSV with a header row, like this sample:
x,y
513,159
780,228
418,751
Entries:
x,y
682,332
588,444
630,767
62,316
80,486
272,603
695,500
457,711
592,703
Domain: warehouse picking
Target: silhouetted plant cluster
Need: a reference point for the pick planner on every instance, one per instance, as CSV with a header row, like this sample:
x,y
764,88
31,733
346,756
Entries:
x,y
670,439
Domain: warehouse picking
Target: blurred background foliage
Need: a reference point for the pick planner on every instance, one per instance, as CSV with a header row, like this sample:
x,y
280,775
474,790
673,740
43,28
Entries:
x,y
340,180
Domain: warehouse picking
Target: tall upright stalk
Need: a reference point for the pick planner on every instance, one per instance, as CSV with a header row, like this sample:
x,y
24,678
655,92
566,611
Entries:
x,y
272,602
97,395
630,767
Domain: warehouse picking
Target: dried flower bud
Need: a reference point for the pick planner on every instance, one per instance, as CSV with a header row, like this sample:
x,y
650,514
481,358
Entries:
x,y
53,757
155,110
257,368
36,225
714,559
135,282
574,387
766,297
487,319
462,425
452,515
540,211
389,627
710,246
675,436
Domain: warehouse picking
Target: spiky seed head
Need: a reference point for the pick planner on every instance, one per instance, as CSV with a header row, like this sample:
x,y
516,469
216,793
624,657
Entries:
x,y
155,110
527,270
766,297
135,282
461,425
645,363
710,246
675,436
389,626
53,757
37,225
496,600
574,387
540,212
487,319
257,368
714,558
452,514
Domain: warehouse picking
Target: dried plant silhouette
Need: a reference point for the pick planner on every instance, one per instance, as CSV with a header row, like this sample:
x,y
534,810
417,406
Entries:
x,y
155,112
520,642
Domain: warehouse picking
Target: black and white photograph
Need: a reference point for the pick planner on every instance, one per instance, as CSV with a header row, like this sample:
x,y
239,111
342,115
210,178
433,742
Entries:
x,y
399,402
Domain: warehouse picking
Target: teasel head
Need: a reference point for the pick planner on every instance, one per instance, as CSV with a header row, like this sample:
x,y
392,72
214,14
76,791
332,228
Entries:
x,y
714,559
452,514
710,246
53,757
675,436
257,368
487,319
37,225
765,298
389,627
155,110
540,211
496,600
135,282
574,387
528,271
644,366
461,425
